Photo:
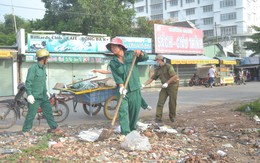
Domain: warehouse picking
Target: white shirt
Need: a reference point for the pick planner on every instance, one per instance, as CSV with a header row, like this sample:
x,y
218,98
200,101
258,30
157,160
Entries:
x,y
212,72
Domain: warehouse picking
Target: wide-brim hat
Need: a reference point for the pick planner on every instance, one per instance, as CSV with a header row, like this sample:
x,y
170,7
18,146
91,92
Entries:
x,y
158,57
116,41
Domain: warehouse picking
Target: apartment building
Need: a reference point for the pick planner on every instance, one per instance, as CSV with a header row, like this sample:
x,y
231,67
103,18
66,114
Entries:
x,y
221,20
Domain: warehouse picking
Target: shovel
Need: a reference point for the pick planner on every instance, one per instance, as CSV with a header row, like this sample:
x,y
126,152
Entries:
x,y
106,133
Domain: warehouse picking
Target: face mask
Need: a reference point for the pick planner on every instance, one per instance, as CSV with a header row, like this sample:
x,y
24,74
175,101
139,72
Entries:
x,y
156,65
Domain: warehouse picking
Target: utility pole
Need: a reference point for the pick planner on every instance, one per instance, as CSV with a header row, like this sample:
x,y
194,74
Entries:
x,y
216,31
14,17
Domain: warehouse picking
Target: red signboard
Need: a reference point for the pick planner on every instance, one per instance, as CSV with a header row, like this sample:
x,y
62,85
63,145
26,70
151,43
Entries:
x,y
171,39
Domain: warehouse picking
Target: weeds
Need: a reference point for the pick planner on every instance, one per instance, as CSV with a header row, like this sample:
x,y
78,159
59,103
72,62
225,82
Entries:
x,y
32,153
252,108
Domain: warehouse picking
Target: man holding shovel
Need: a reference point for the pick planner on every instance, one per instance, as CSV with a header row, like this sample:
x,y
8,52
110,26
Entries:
x,y
120,67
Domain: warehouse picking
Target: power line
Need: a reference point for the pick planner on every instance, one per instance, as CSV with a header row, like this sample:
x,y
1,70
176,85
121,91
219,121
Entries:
x,y
31,8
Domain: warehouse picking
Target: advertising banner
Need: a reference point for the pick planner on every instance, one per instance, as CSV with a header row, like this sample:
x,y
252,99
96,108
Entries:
x,y
67,43
137,43
71,58
178,40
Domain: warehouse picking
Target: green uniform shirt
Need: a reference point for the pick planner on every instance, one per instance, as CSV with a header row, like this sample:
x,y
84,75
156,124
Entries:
x,y
121,70
164,73
36,81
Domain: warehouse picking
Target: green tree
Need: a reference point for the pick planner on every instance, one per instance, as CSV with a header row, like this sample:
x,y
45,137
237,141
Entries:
x,y
111,17
7,29
254,45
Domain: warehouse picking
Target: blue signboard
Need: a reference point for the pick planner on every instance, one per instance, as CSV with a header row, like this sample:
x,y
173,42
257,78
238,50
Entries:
x,y
137,43
67,43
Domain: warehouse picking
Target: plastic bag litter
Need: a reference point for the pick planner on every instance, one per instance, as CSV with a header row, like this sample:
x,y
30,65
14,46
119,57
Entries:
x,y
134,141
89,135
167,129
142,126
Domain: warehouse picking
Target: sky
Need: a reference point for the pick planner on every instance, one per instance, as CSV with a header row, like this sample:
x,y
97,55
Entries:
x,y
26,9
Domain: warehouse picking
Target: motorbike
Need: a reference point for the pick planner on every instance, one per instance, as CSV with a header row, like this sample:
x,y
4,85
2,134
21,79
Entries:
x,y
11,109
195,80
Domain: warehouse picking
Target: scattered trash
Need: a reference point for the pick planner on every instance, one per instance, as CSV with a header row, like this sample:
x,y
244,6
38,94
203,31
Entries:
x,y
134,141
90,135
117,129
221,153
248,109
51,143
167,129
256,118
227,145
142,126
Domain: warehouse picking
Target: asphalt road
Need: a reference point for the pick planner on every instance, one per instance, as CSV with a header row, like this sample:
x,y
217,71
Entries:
x,y
188,99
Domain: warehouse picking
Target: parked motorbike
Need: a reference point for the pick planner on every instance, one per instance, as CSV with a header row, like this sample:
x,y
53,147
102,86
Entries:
x,y
195,80
11,109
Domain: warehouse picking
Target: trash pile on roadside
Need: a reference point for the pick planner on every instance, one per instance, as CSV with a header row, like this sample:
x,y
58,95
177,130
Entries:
x,y
149,143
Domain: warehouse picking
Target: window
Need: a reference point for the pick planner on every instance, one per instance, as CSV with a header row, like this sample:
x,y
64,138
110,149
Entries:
x,y
208,33
190,11
174,3
174,14
189,1
227,3
157,17
208,8
228,16
231,30
140,9
207,21
156,7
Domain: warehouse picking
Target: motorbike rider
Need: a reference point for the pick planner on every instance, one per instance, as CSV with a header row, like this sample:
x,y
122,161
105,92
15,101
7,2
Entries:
x,y
38,95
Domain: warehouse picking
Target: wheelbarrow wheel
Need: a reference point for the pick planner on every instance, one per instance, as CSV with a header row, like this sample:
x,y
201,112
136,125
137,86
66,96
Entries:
x,y
110,107
95,108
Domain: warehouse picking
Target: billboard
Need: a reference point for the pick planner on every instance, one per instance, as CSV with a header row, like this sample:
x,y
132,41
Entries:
x,y
67,43
137,43
177,40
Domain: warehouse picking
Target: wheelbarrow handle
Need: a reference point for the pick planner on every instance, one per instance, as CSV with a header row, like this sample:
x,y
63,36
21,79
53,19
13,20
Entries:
x,y
81,81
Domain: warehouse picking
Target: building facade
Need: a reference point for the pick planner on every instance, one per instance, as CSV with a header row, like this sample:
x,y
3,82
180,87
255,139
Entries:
x,y
220,20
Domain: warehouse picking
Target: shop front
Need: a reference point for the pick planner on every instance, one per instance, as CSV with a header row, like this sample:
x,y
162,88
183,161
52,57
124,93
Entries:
x,y
7,72
63,68
186,66
225,70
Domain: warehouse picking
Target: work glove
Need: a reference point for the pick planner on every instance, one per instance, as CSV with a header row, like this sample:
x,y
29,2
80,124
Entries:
x,y
30,99
142,86
48,95
165,85
122,91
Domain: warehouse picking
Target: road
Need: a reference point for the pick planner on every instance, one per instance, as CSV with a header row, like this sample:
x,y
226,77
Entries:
x,y
188,99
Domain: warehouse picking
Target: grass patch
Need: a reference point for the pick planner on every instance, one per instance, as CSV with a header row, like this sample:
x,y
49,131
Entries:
x,y
254,108
32,153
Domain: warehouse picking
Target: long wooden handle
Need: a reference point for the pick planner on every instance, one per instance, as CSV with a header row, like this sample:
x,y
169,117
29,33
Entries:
x,y
81,81
122,96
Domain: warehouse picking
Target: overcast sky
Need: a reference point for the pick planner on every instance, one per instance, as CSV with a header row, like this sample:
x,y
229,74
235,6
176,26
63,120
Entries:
x,y
26,9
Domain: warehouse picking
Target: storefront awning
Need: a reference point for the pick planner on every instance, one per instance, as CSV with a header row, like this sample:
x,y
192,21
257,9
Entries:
x,y
6,54
227,60
179,59
71,58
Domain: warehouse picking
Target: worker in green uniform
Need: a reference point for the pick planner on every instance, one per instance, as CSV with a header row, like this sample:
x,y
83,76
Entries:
x,y
37,94
170,84
120,66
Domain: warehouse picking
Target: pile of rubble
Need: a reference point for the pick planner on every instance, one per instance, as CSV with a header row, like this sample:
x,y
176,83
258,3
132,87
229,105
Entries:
x,y
150,143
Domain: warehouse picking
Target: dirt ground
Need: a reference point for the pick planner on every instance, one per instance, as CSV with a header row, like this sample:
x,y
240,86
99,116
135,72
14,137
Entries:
x,y
210,133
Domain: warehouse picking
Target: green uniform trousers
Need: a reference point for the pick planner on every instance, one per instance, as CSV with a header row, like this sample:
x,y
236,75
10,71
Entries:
x,y
144,105
33,109
129,111
170,91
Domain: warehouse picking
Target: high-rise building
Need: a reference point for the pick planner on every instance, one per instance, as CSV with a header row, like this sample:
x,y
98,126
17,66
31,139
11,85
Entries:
x,y
221,20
